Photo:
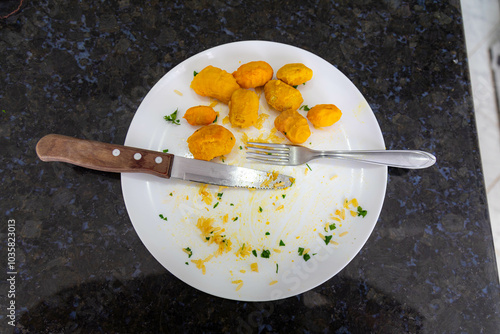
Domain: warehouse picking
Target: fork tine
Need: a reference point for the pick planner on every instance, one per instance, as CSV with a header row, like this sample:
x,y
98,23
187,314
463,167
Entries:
x,y
268,156
271,162
265,150
269,145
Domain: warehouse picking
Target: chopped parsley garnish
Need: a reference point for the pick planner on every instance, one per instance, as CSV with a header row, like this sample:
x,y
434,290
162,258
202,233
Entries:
x,y
284,195
305,107
241,147
295,86
276,268
254,252
362,212
332,226
165,151
267,233
328,238
301,250
231,204
308,166
188,251
162,217
216,117
187,264
306,257
265,253
216,205
282,243
173,118
171,194
260,209
235,219
195,73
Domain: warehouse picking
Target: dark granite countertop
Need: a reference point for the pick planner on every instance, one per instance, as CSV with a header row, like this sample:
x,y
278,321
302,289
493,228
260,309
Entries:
x,y
81,68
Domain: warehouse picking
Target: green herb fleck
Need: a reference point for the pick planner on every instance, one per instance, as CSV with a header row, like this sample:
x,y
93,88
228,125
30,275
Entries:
x,y
165,151
284,195
219,195
260,209
216,117
254,252
171,194
276,268
305,108
361,212
235,219
187,264
267,233
241,147
162,217
195,73
308,166
188,251
328,238
332,226
265,254
231,204
172,117
295,86
301,250
3,110
216,205
282,243
306,257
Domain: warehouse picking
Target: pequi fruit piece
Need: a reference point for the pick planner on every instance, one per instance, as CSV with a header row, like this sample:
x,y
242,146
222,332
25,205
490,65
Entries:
x,y
282,96
216,83
253,74
324,115
243,108
293,125
200,115
210,141
294,74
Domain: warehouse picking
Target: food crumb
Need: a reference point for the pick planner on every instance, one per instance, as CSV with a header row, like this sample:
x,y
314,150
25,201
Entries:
x,y
177,92
273,282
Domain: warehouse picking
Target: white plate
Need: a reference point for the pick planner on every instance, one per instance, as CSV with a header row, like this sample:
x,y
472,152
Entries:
x,y
307,206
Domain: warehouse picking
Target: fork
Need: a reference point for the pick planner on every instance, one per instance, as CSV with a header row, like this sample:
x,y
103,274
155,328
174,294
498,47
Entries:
x,y
293,155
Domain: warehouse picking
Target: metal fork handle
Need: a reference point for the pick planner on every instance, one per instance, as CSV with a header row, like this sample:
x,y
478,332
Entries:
x,y
411,159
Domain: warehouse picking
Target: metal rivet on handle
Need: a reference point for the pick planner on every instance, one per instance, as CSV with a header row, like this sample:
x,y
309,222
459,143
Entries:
x,y
158,160
137,156
116,152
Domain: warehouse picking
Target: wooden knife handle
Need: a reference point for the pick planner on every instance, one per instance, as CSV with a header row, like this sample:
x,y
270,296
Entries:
x,y
103,156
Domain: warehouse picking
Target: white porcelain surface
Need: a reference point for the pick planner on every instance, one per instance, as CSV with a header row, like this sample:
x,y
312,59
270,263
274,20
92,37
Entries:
x,y
482,30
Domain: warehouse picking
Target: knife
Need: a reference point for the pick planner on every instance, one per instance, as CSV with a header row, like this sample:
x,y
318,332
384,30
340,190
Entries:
x,y
125,159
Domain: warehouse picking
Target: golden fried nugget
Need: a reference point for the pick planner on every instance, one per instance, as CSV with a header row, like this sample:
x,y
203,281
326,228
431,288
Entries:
x,y
200,115
253,74
293,125
216,83
324,115
282,96
294,74
210,141
243,108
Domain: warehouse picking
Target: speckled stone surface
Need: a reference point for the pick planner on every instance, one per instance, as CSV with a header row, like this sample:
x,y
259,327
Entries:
x,y
81,68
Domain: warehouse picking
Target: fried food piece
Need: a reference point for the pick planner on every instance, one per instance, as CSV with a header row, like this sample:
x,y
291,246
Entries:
x,y
216,83
294,74
282,96
293,125
324,115
200,115
243,108
210,141
253,74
